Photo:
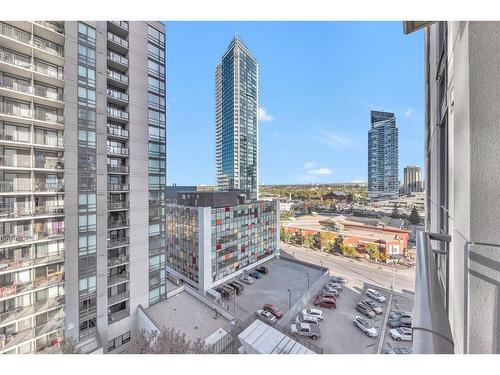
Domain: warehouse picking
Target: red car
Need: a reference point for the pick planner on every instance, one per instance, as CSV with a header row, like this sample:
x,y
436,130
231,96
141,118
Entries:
x,y
273,310
328,303
324,294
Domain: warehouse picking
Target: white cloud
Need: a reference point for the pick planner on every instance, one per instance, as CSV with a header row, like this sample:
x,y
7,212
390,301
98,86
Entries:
x,y
264,116
409,112
320,171
309,165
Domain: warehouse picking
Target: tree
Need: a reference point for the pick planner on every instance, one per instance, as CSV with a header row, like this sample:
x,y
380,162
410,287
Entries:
x,y
69,346
349,251
308,241
285,235
414,217
167,341
373,251
383,257
395,211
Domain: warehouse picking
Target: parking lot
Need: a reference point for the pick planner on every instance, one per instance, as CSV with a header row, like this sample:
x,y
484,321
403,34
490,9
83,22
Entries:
x,y
402,302
273,288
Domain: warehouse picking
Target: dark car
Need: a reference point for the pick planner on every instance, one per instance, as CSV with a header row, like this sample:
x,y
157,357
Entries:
x,y
365,310
339,280
399,322
273,310
396,314
262,269
326,295
255,274
328,303
236,285
223,292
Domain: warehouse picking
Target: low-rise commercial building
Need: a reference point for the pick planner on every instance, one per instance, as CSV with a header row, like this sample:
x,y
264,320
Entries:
x,y
212,236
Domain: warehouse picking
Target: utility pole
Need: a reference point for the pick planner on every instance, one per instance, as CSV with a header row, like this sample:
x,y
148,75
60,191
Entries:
x,y
289,299
307,273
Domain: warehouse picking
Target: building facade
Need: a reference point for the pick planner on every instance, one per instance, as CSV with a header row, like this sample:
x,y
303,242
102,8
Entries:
x,y
382,155
462,195
213,236
75,155
236,120
412,180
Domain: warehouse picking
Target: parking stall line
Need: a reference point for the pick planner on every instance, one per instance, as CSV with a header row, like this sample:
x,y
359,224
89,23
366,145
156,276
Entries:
x,y
384,325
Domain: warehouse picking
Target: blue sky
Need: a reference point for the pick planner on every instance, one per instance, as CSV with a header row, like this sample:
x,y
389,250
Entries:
x,y
318,82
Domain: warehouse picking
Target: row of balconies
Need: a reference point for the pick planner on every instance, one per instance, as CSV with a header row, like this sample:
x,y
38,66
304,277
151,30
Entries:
x,y
36,115
27,38
14,264
36,66
23,287
29,236
117,76
118,58
116,150
118,113
31,161
118,223
52,26
120,205
116,94
24,136
21,312
25,186
119,132
117,39
36,89
118,241
119,278
27,210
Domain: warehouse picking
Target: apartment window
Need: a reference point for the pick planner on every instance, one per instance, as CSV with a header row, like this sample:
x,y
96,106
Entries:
x,y
86,55
87,223
86,34
86,97
86,76
86,138
87,284
86,202
86,117
118,341
87,245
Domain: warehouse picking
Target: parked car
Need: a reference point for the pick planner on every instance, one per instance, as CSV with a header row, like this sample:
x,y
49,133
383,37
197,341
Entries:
x,y
246,279
376,309
266,315
335,285
329,303
401,334
331,290
238,286
262,269
255,274
232,288
365,310
372,293
365,326
339,279
399,322
396,314
314,312
307,330
223,292
400,350
273,310
327,295
304,318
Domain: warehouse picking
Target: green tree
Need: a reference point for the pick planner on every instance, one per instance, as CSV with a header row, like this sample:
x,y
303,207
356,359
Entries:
x,y
372,251
349,251
285,235
69,346
395,211
308,241
414,217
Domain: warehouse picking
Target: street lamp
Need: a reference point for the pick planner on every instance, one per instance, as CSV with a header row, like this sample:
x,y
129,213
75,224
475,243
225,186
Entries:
x,y
289,299
307,273
321,263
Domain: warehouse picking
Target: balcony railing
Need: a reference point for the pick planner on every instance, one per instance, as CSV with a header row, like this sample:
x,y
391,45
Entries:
x,y
49,70
51,26
118,223
118,40
40,282
23,211
431,328
48,186
117,76
16,161
46,92
114,242
49,116
15,186
117,168
118,205
117,279
118,187
117,58
49,141
9,238
26,88
48,46
117,95
50,163
49,210
119,315
117,113
15,136
117,150
122,24
14,110
37,307
17,60
119,132
14,33
11,264
118,260
118,297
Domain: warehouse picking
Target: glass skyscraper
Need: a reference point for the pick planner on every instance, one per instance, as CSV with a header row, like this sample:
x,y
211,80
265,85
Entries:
x,y
382,155
236,119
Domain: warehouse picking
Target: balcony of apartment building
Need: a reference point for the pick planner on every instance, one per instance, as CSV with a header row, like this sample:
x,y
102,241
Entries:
x,y
119,28
22,258
117,131
18,232
118,257
118,168
51,183
117,43
118,220
15,183
117,114
48,115
48,138
117,78
20,282
117,185
16,309
21,88
117,238
117,275
54,26
117,149
117,202
117,61
116,96
118,311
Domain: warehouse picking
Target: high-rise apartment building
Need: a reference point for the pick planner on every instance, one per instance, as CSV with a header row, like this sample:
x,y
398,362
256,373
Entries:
x,y
82,165
382,155
458,256
236,120
412,182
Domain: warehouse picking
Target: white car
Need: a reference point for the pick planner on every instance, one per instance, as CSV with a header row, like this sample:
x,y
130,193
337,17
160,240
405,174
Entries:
x,y
304,318
365,326
401,334
335,285
372,293
329,289
247,279
313,312
266,315
377,309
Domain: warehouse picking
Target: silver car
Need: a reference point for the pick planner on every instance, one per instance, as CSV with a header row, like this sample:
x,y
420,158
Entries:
x,y
247,279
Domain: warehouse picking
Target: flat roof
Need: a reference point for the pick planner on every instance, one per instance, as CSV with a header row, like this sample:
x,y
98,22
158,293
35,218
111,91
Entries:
x,y
189,315
264,339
